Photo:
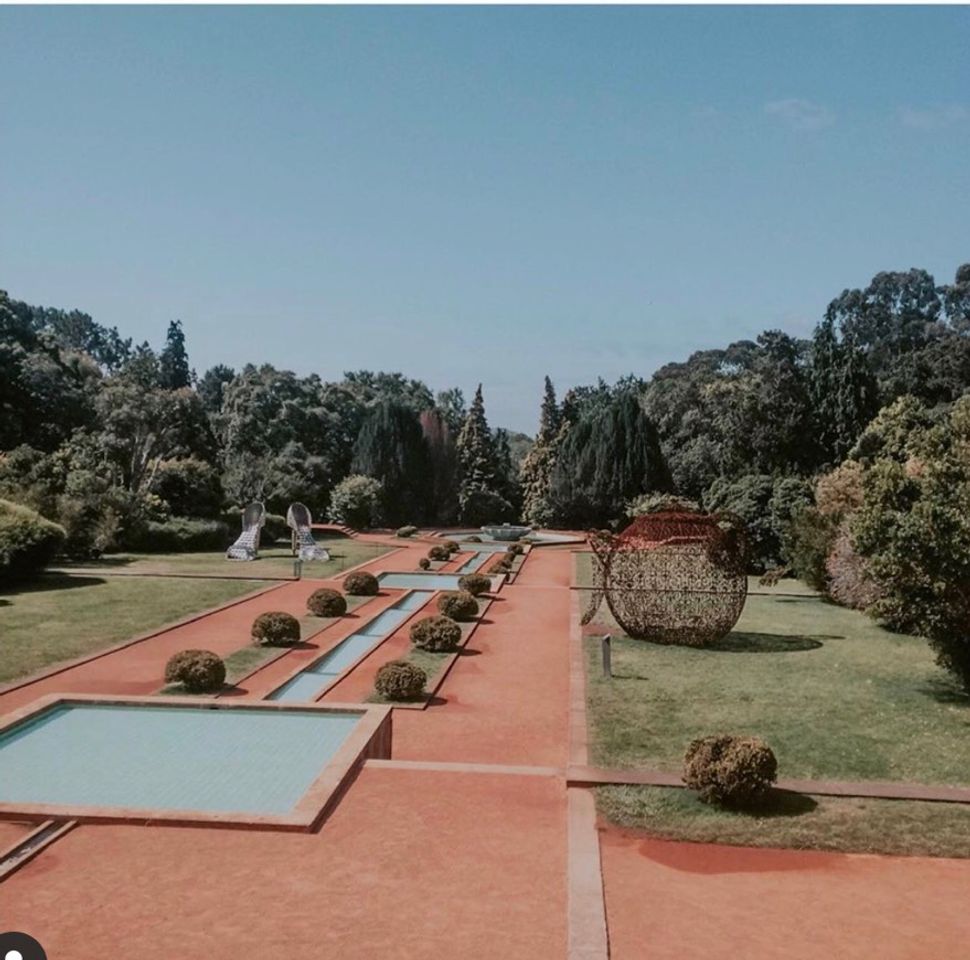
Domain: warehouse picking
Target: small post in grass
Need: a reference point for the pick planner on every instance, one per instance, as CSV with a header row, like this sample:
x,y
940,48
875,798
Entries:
x,y
298,568
607,655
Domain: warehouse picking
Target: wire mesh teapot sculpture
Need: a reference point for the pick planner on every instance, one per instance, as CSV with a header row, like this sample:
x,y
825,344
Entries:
x,y
674,577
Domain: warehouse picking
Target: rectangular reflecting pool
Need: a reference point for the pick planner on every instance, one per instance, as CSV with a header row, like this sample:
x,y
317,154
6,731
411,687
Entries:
x,y
426,581
145,759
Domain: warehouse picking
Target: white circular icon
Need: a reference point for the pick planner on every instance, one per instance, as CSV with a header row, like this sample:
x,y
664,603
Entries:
x,y
13,955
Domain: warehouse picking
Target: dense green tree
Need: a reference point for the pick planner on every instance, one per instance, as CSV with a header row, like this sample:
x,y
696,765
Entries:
x,y
451,405
173,361
478,495
913,528
506,472
536,473
443,472
211,386
392,449
372,388
607,458
844,392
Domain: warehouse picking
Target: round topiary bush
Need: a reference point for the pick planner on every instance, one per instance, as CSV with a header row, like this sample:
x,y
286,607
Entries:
x,y
730,770
327,603
438,553
475,583
459,606
436,633
361,584
500,565
424,563
407,531
516,549
451,546
474,538
277,629
400,680
28,542
199,671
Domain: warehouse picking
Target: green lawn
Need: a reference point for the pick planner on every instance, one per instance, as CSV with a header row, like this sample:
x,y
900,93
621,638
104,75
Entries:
x,y
835,695
60,616
273,562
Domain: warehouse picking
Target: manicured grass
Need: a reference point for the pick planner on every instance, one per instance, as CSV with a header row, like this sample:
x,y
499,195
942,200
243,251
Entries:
x,y
835,695
904,827
59,617
273,562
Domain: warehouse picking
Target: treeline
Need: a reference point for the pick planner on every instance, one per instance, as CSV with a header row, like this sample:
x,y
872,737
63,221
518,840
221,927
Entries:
x,y
123,445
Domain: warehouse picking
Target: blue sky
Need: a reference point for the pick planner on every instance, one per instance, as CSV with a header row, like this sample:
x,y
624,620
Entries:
x,y
472,194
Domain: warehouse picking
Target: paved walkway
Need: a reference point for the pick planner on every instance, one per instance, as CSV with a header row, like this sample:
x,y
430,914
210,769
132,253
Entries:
x,y
431,855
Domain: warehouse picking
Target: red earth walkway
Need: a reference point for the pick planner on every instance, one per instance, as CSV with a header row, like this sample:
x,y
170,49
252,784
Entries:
x,y
418,863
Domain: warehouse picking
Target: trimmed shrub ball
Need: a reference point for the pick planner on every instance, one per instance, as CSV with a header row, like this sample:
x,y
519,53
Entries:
x,y
474,538
361,584
327,603
424,563
28,542
276,628
458,606
500,565
438,553
400,680
516,550
407,531
199,671
730,770
436,633
475,583
451,546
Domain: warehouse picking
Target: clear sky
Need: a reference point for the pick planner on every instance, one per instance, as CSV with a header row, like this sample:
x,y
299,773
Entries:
x,y
471,194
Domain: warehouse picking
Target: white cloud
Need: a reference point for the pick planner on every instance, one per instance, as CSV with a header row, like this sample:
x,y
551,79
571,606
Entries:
x,y
800,114
933,118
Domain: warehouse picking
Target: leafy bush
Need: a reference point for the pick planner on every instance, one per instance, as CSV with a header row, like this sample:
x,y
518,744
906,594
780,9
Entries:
x,y
474,583
180,535
474,538
28,542
517,549
191,487
199,671
360,583
839,492
730,770
277,629
849,581
356,501
407,531
807,543
326,603
424,563
436,633
459,606
500,565
438,553
400,680
656,502
275,529
451,546
478,506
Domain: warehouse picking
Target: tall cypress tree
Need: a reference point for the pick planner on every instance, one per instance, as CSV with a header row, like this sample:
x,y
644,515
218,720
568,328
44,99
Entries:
x,y
173,361
479,500
391,448
443,456
536,470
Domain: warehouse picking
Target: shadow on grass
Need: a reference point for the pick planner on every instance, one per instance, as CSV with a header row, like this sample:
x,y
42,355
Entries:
x,y
54,581
782,803
944,690
765,643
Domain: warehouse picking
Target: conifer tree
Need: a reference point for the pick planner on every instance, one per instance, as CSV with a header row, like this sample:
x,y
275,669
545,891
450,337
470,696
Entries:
x,y
173,361
537,467
479,500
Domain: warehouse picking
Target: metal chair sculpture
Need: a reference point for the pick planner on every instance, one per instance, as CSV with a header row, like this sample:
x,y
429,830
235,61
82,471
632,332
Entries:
x,y
298,519
672,577
246,546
